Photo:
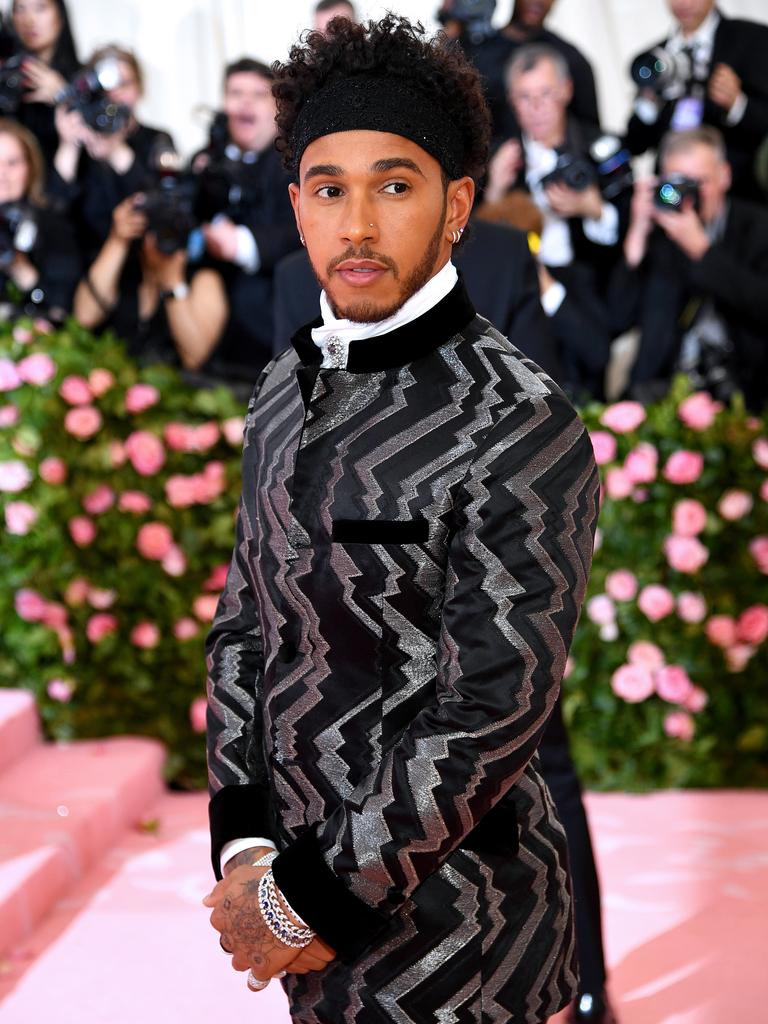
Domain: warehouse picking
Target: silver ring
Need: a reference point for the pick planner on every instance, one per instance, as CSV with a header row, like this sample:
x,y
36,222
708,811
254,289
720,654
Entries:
x,y
255,984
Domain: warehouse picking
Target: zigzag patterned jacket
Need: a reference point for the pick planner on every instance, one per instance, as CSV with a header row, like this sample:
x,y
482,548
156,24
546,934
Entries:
x,y
413,545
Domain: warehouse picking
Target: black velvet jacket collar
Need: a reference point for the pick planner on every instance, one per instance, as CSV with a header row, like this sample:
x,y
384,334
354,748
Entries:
x,y
403,345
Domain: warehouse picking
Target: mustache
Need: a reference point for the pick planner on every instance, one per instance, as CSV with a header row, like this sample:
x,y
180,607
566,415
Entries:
x,y
366,253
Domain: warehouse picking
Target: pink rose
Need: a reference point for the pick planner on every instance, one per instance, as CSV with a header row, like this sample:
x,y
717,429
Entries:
x,y
9,375
60,689
117,454
154,541
77,591
83,422
175,562
689,517
641,464
22,334
621,585
82,530
42,326
53,470
100,625
698,411
139,397
20,517
752,626
75,390
758,548
696,700
135,502
145,635
759,451
218,578
181,491
30,605
146,452
691,607
197,714
622,417
185,629
738,657
679,725
204,607
100,381
569,667
601,609
721,630
618,483
735,505
684,467
9,415
603,445
673,684
55,615
14,476
685,554
205,436
643,652
232,429
99,500
633,683
101,599
177,436
655,602
37,369
182,437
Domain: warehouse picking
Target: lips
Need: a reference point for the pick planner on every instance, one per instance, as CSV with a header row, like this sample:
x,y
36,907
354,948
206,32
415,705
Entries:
x,y
359,273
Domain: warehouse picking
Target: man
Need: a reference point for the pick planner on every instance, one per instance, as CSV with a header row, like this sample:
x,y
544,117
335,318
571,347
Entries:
x,y
723,82
694,278
581,231
492,51
327,10
251,222
413,545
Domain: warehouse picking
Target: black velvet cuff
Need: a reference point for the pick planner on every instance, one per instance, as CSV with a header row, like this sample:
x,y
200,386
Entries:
x,y
320,897
236,812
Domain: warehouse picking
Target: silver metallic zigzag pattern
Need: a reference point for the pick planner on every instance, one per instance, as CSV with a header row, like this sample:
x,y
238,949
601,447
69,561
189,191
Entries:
x,y
395,693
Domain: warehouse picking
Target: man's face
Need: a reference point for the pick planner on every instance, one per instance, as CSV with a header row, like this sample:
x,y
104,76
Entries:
x,y
540,98
690,13
250,109
341,10
375,216
713,175
531,13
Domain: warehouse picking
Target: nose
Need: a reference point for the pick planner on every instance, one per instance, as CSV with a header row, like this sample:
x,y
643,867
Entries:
x,y
360,223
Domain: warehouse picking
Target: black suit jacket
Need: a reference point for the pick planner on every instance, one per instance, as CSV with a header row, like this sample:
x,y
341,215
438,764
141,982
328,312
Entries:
x,y
734,273
500,275
743,45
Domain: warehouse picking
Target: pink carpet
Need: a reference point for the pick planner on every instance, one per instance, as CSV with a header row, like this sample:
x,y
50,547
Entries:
x,y
685,878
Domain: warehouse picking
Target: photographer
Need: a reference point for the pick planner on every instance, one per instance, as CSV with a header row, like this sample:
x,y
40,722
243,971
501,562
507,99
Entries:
x,y
96,170
711,70
694,276
326,10
39,267
49,60
142,294
249,225
551,166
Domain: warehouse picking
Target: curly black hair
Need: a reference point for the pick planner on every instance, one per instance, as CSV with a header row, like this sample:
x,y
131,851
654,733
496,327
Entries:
x,y
396,48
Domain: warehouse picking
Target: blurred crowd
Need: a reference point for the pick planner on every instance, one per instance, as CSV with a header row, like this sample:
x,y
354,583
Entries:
x,y
198,262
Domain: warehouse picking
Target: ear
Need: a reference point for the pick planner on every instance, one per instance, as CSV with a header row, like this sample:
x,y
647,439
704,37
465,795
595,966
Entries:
x,y
293,194
726,176
567,90
459,200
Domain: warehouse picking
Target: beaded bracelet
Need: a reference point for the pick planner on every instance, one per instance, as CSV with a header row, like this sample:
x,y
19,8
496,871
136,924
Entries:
x,y
276,919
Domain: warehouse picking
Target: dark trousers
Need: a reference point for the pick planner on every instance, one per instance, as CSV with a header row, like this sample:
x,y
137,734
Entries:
x,y
560,775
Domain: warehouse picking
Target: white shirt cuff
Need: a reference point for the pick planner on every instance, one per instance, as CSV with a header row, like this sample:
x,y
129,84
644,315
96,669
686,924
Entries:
x,y
235,846
647,110
247,254
736,112
605,230
552,298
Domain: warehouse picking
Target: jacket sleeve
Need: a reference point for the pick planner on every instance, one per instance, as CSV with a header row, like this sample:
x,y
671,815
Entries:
x,y
736,281
238,787
517,571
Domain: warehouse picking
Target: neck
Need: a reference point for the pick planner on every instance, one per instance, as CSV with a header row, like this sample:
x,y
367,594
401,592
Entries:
x,y
46,54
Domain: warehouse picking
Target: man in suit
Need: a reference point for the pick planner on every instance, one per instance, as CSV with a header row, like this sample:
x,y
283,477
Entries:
x,y
694,278
723,82
412,550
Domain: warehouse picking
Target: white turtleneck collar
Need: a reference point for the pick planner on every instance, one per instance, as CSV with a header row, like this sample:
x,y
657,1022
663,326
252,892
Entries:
x,y
334,337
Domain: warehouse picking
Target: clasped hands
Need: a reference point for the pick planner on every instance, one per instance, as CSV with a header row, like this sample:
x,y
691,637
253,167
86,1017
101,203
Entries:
x,y
245,934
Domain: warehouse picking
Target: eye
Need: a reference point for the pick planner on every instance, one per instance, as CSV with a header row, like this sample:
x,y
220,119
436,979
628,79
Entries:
x,y
396,188
329,192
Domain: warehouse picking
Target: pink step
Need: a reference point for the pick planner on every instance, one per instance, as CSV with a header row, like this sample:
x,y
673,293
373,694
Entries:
x,y
19,726
62,806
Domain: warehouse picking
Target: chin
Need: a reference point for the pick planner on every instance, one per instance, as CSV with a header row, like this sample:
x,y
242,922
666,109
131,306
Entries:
x,y
363,310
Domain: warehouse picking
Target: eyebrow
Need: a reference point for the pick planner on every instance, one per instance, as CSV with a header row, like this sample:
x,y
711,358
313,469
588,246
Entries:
x,y
379,167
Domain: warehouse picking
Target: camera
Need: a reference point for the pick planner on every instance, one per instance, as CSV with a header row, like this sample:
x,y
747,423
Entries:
x,y
18,231
574,171
88,94
673,191
661,71
169,202
474,16
225,186
613,164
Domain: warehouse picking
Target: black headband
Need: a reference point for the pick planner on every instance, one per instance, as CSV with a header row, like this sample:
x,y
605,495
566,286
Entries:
x,y
379,104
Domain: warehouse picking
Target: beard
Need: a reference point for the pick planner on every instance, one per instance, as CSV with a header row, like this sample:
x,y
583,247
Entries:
x,y
367,311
